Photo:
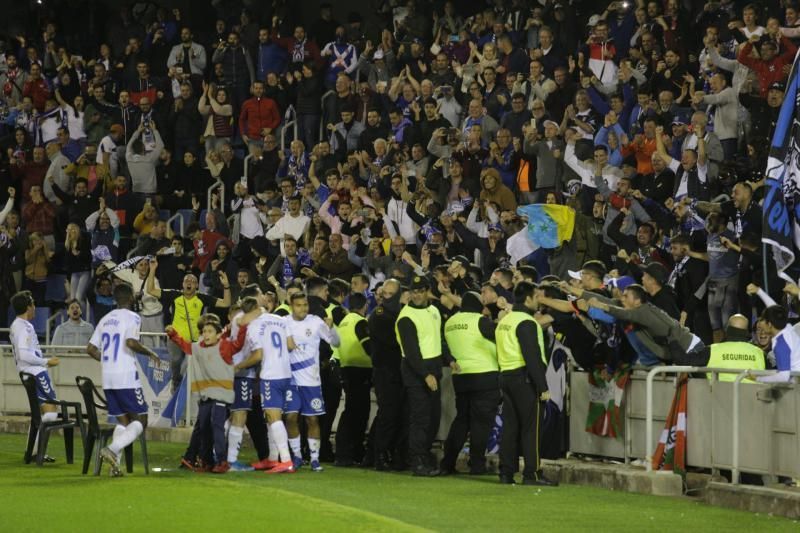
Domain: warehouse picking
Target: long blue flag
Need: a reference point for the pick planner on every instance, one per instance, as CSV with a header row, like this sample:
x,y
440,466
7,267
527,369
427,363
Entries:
x,y
781,209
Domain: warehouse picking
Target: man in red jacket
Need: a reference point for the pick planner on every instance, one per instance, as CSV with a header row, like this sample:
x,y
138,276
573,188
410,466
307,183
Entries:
x,y
36,87
770,66
259,116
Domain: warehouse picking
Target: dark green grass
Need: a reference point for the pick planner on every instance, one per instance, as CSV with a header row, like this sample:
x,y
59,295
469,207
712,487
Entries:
x,y
57,498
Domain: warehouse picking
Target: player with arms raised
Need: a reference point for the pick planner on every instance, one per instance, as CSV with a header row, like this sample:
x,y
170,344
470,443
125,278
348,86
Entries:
x,y
114,343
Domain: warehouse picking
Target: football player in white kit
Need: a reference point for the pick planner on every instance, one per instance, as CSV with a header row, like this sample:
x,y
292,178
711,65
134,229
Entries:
x,y
307,331
28,357
114,343
268,342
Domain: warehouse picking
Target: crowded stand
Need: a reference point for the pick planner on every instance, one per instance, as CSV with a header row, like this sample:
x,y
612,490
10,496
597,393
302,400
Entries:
x,y
598,167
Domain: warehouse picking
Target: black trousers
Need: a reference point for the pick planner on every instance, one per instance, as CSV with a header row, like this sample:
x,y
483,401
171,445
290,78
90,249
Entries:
x,y
257,427
475,413
356,383
391,430
331,395
521,420
208,437
425,409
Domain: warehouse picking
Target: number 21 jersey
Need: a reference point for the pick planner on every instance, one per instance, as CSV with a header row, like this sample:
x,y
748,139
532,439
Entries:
x,y
119,361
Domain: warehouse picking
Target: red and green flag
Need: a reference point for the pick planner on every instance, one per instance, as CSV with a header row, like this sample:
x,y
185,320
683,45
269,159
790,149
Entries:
x,y
606,392
671,451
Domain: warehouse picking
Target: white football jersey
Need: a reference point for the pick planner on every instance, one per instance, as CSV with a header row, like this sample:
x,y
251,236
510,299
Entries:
x,y
119,361
269,333
242,354
306,334
25,344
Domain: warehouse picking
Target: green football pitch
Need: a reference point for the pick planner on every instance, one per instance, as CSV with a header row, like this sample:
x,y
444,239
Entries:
x,y
57,497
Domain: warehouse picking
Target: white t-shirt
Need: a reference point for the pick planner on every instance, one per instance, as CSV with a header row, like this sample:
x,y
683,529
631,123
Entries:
x,y
119,361
270,334
306,334
107,146
25,344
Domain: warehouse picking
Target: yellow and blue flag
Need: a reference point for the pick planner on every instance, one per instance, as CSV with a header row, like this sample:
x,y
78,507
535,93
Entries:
x,y
549,225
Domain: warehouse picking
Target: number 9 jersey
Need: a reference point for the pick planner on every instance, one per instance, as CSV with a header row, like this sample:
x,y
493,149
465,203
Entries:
x,y
269,334
119,361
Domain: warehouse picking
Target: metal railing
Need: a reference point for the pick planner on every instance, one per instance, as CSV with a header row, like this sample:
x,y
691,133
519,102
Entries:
x,y
48,326
322,102
181,223
741,374
216,185
247,159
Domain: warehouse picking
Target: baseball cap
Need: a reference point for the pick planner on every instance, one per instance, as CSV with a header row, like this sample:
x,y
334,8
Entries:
x,y
378,54
593,20
596,267
658,272
463,261
777,86
574,274
419,282
495,226
553,122
622,282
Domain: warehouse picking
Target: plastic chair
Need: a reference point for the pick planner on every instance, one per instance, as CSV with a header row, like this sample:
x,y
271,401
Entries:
x,y
100,434
40,320
202,220
44,429
54,290
164,214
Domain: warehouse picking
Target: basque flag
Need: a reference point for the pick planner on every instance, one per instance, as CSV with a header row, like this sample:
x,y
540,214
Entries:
x,y
781,209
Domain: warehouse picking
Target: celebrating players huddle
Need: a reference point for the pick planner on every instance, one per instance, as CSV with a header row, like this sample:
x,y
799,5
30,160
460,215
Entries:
x,y
284,351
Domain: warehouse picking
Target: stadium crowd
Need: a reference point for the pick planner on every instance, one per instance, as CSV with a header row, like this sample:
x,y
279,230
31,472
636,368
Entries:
x,y
381,161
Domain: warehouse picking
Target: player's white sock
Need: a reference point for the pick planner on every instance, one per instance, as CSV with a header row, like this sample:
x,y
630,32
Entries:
x,y
313,446
294,444
281,438
227,426
119,429
46,417
234,443
273,446
130,434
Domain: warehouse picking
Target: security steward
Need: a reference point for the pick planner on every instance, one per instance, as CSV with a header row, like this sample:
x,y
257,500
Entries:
x,y
419,333
390,425
736,352
356,368
523,362
470,339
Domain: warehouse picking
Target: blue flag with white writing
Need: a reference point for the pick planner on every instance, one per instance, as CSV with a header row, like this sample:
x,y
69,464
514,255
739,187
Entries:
x,y
781,209
176,408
